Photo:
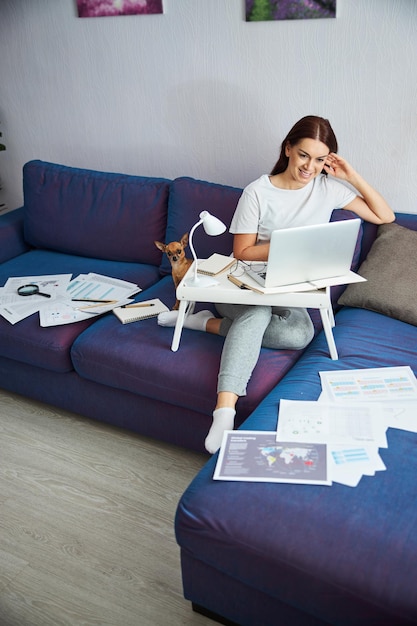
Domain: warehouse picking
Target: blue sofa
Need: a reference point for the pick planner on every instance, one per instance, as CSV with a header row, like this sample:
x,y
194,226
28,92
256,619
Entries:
x,y
251,553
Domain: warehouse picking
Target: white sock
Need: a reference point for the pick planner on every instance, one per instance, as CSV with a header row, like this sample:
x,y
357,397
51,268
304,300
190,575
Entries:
x,y
198,321
223,419
167,318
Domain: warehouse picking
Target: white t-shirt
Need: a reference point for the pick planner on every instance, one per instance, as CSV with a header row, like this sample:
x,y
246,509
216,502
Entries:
x,y
263,208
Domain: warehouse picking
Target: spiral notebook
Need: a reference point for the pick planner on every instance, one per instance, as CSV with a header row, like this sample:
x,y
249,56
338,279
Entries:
x,y
215,264
140,311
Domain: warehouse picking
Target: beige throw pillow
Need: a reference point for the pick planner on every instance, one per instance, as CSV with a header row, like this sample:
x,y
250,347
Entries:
x,y
391,272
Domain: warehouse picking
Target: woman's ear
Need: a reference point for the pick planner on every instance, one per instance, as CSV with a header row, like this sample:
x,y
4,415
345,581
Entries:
x,y
287,149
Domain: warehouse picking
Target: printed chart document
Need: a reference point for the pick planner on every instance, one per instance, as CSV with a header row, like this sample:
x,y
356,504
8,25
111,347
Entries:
x,y
376,384
331,423
71,307
256,456
100,287
64,300
15,308
349,463
396,387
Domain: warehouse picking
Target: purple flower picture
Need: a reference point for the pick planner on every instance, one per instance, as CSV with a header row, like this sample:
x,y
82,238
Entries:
x,y
105,8
265,10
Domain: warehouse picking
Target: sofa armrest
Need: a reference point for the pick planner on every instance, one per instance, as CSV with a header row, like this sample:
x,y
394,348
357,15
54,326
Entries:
x,y
12,242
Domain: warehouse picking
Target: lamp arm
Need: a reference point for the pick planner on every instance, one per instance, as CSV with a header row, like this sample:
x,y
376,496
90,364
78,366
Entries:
x,y
190,243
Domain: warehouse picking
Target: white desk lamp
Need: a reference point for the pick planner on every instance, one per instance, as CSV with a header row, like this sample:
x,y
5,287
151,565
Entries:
x,y
212,226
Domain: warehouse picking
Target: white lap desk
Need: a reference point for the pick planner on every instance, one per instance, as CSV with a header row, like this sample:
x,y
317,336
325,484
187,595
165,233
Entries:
x,y
225,291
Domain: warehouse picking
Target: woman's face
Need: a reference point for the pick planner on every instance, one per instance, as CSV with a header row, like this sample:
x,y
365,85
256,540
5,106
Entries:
x,y
305,161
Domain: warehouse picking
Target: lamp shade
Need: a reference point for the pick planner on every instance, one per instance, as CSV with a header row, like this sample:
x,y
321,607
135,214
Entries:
x,y
212,226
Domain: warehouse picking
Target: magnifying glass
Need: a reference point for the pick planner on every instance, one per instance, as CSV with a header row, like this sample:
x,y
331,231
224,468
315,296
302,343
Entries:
x,y
31,290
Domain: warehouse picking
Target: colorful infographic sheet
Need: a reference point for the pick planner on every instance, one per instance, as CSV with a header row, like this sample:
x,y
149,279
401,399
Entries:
x,y
395,387
256,456
373,384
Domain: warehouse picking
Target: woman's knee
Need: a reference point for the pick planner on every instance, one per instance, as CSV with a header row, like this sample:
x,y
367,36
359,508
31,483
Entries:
x,y
304,336
302,329
290,329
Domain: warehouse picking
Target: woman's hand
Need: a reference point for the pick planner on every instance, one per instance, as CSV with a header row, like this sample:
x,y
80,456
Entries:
x,y
336,166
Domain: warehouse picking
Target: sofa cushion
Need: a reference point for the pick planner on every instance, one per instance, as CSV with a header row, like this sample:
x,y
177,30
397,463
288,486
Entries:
x,y
49,348
408,220
187,198
94,214
137,357
390,269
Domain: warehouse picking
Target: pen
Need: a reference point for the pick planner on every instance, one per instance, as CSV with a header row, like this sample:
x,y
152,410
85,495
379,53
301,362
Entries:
x,y
136,306
87,300
93,306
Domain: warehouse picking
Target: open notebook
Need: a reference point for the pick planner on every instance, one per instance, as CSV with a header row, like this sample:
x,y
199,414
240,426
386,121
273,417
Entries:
x,y
215,264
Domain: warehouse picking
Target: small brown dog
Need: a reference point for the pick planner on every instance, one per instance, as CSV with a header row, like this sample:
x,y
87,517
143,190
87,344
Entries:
x,y
175,252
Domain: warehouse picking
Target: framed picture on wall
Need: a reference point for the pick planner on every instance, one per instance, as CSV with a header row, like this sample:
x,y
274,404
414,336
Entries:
x,y
267,10
108,8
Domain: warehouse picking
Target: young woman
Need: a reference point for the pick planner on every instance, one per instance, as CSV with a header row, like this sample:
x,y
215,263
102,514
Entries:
x,y
300,190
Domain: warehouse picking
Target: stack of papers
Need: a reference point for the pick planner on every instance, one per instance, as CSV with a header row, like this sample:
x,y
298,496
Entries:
x,y
335,439
64,301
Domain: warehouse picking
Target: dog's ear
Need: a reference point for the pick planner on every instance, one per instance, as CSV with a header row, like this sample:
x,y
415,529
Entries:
x,y
184,240
160,246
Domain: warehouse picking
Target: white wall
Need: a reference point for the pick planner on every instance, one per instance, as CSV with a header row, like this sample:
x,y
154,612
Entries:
x,y
200,92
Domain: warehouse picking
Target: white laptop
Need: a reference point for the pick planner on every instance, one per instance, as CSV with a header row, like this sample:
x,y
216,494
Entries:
x,y
307,254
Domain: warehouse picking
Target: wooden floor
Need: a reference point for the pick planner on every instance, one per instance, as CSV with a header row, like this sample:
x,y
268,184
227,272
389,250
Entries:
x,y
87,522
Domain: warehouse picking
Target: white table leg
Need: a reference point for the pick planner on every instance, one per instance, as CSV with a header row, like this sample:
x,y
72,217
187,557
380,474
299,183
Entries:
x,y
179,324
328,321
331,317
330,309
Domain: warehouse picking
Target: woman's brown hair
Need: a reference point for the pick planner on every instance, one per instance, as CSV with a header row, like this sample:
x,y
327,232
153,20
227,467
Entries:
x,y
309,127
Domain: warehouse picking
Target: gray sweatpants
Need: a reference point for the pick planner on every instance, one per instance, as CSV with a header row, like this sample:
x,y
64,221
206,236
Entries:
x,y
247,328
